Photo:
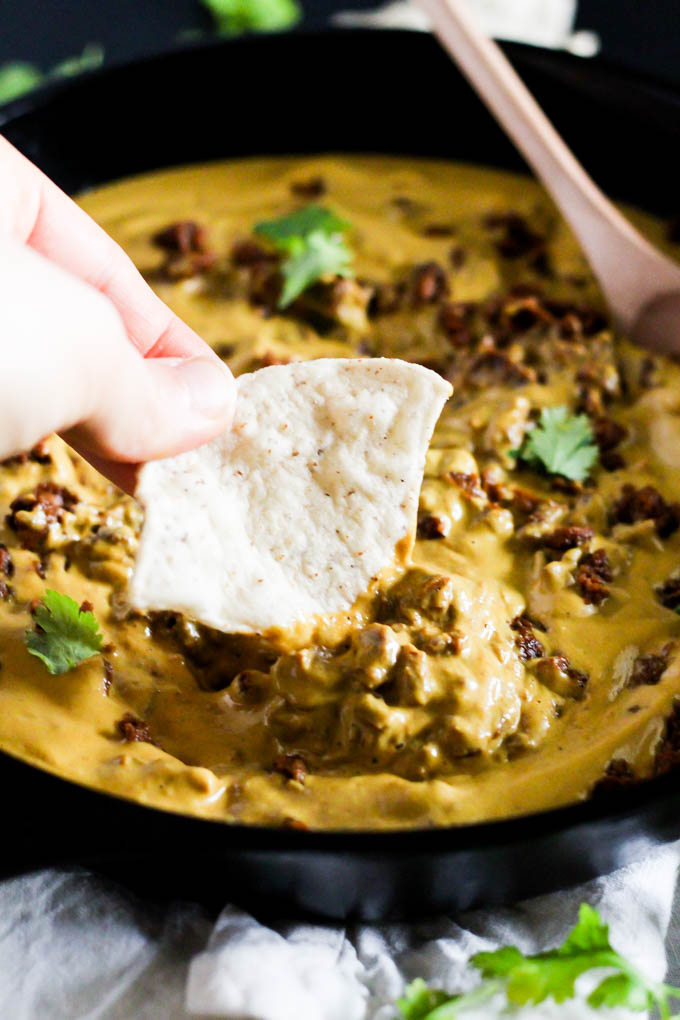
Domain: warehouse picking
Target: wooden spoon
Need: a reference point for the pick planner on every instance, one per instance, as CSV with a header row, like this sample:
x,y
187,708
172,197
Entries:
x,y
641,285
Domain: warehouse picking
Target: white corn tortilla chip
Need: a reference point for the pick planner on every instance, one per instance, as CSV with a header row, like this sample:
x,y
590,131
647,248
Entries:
x,y
295,510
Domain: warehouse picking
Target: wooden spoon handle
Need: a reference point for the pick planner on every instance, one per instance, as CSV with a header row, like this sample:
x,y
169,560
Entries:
x,y
629,269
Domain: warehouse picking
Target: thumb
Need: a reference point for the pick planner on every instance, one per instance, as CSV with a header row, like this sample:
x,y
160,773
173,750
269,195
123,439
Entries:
x,y
72,367
157,407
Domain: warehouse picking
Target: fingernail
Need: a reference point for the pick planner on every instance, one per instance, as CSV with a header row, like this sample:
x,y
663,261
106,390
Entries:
x,y
210,385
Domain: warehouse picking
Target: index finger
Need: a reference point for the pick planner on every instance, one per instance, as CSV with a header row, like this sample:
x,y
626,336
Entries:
x,y
36,212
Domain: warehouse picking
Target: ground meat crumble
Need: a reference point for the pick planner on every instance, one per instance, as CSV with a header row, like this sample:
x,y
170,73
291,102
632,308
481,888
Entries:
x,y
646,504
131,729
291,766
593,574
528,644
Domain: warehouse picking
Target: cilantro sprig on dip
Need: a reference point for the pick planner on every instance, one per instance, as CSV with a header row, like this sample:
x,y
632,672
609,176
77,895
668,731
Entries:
x,y
560,444
312,240
64,635
530,980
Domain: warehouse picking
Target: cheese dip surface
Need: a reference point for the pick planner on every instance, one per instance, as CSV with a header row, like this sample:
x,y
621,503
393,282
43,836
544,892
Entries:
x,y
529,652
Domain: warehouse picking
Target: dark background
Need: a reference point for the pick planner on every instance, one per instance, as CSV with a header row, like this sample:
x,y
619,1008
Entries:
x,y
644,34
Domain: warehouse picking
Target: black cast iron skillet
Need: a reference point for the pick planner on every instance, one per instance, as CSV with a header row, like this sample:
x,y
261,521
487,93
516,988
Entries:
x,y
360,91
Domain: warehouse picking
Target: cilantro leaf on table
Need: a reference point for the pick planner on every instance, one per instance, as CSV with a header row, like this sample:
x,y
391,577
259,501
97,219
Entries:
x,y
232,17
17,78
91,58
64,635
529,980
561,444
312,240
532,979
418,1000
422,1003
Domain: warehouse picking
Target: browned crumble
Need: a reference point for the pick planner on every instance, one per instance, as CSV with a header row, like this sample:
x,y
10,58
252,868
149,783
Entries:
x,y
428,283
454,320
131,729
470,485
438,230
593,574
249,252
569,537
668,593
186,248
457,257
38,454
313,187
182,237
608,434
49,497
646,504
617,775
6,562
431,526
292,766
513,236
648,669
564,666
528,644
668,755
495,368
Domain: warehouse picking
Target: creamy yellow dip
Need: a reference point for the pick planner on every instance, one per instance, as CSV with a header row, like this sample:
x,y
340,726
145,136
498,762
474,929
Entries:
x,y
508,669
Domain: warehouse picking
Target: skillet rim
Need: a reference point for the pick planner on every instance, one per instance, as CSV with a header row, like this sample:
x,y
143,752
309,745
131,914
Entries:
x,y
608,71
651,795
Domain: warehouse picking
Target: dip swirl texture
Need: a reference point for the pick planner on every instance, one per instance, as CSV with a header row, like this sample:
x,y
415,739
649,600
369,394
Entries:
x,y
528,654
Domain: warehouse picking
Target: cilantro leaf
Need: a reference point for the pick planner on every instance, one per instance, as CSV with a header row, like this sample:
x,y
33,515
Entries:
x,y
317,256
499,963
532,979
232,17
552,974
419,1000
590,934
561,444
65,635
17,78
298,225
311,238
621,990
456,1006
529,980
422,1003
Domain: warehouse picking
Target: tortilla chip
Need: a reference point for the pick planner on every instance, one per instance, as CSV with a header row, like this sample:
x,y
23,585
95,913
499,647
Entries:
x,y
296,510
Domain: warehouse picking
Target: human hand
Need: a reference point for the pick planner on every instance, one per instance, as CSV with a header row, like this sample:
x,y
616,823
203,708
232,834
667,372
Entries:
x,y
86,347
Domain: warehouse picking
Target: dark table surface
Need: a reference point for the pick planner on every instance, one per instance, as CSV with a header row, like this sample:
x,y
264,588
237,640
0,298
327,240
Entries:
x,y
644,35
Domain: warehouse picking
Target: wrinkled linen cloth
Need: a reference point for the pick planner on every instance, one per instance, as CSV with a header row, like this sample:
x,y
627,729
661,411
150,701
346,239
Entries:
x,y
74,946
541,22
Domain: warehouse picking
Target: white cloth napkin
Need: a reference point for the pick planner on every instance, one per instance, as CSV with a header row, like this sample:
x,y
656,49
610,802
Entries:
x,y
76,947
541,22
316,973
